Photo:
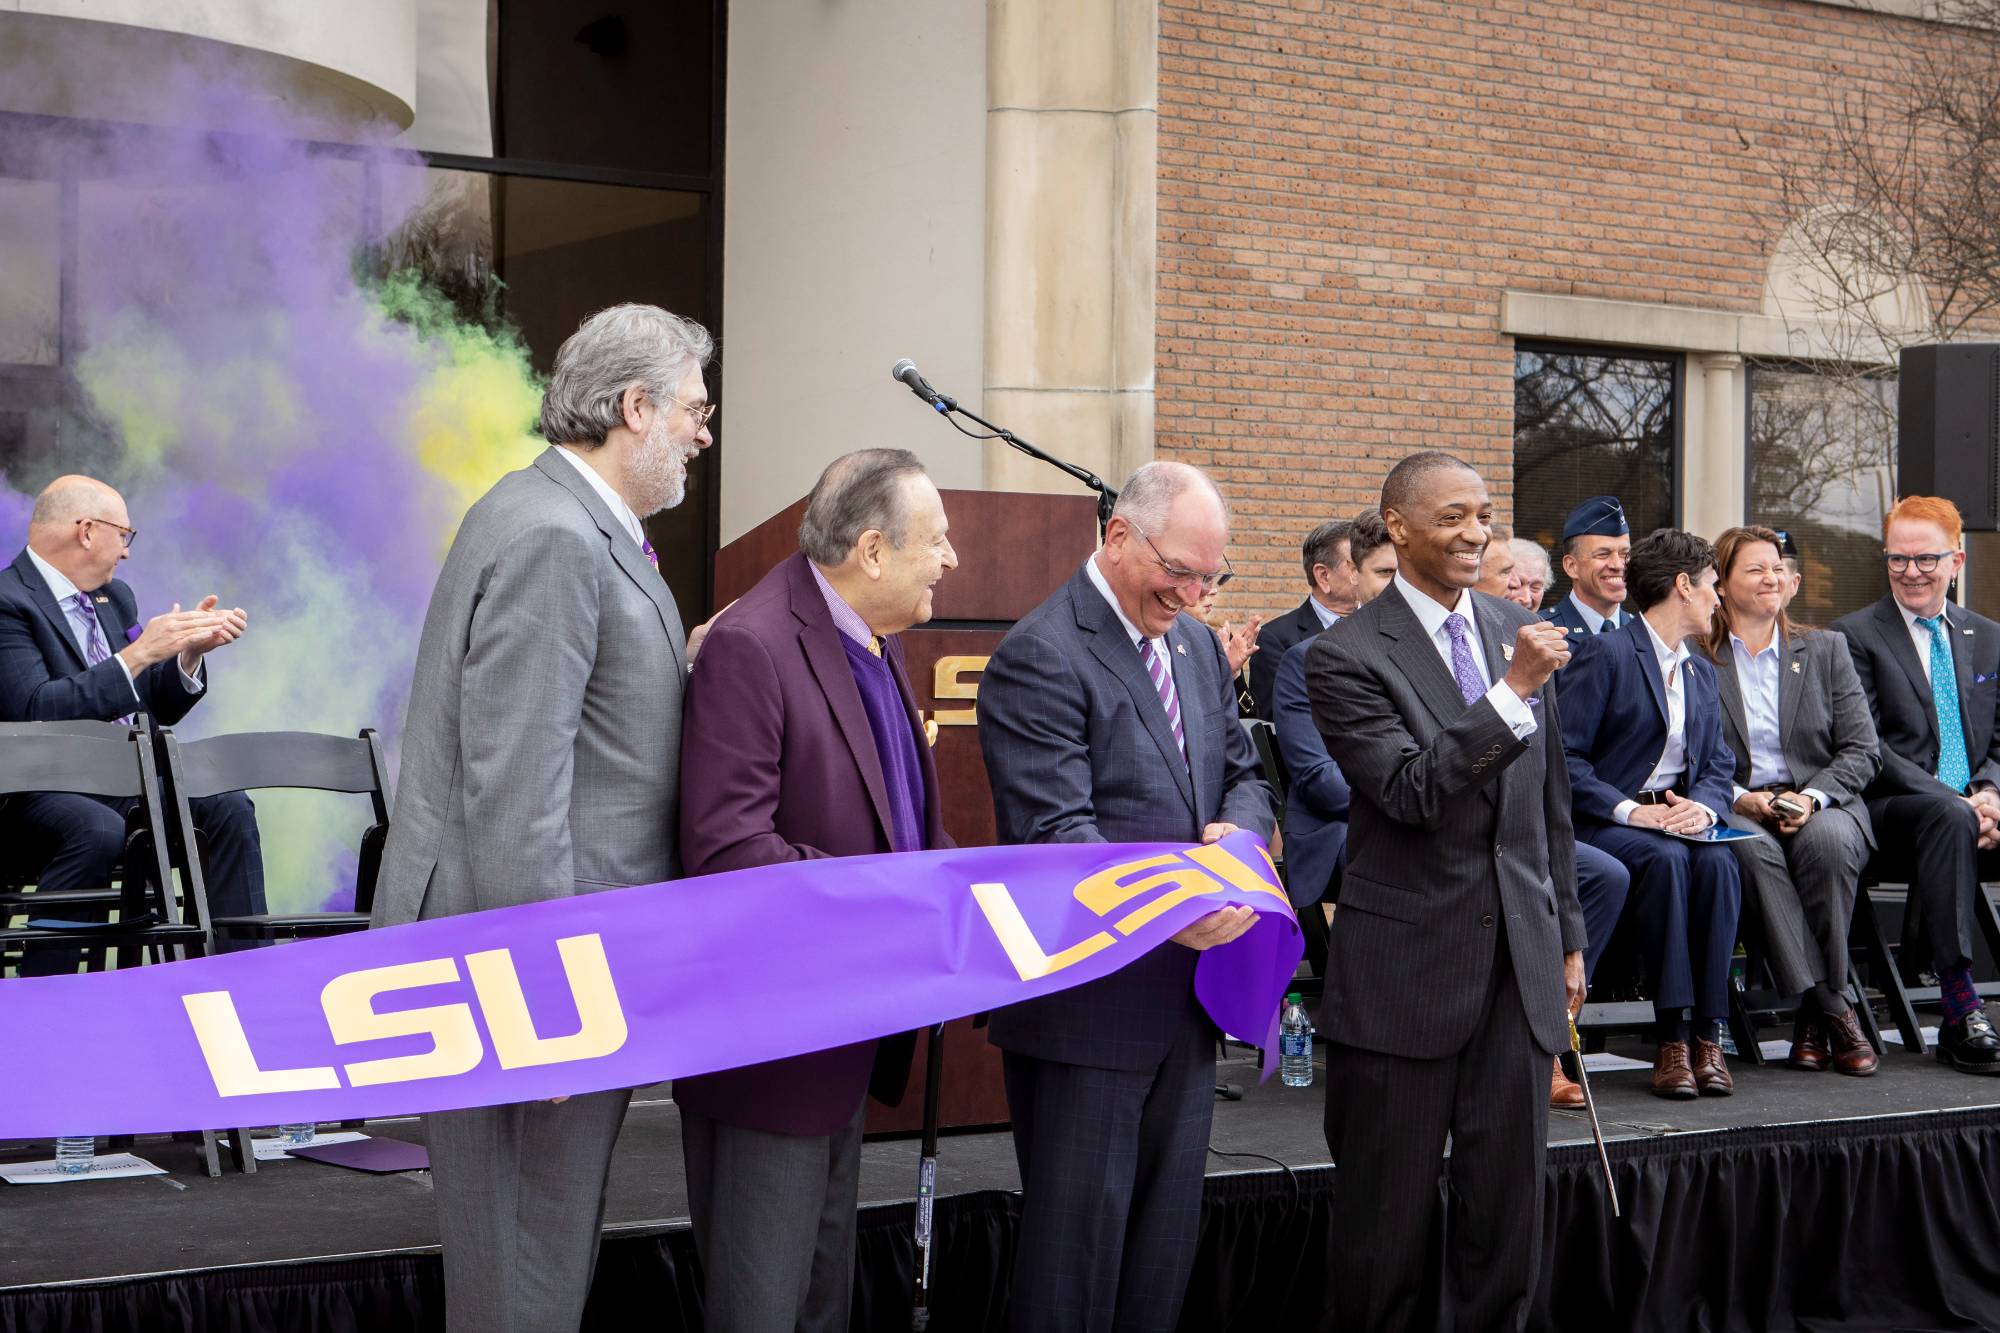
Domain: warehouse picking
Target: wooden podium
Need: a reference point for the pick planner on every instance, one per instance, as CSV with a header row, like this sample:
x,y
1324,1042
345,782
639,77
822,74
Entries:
x,y
1013,551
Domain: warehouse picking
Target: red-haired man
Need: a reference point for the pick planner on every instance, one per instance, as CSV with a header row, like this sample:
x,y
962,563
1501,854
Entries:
x,y
1932,674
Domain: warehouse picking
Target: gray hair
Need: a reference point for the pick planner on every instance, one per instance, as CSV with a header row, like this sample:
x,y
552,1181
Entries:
x,y
1149,493
610,352
1322,543
1531,554
857,492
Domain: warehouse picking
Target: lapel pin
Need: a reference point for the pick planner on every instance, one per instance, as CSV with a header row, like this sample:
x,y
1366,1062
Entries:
x,y
1506,652
1181,648
101,599
1796,668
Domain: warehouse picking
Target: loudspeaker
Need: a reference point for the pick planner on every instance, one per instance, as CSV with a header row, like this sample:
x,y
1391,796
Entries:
x,y
1948,428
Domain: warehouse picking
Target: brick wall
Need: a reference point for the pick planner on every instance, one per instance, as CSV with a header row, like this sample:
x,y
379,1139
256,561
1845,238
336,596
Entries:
x,y
1346,188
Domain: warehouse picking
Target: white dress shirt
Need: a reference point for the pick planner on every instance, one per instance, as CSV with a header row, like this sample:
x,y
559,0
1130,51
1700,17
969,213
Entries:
x,y
1672,663
1326,617
1920,638
1591,620
81,624
619,509
1103,585
1431,614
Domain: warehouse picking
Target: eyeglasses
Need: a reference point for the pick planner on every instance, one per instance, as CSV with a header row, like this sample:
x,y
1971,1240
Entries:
x,y
127,535
1181,574
1926,563
701,414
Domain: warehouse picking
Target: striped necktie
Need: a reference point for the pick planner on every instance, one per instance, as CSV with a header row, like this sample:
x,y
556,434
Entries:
x,y
96,649
1163,682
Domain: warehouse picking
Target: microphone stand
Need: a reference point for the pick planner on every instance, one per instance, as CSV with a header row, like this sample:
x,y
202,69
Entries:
x,y
1106,496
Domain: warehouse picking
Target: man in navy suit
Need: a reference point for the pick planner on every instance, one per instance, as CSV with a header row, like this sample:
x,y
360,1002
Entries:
x,y
1596,543
1642,724
1332,583
1107,714
72,647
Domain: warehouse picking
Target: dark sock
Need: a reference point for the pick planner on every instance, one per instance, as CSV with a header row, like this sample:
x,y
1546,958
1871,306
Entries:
x,y
1829,1000
1672,1028
1702,1029
1957,993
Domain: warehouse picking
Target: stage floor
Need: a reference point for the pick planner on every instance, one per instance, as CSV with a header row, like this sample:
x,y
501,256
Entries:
x,y
293,1210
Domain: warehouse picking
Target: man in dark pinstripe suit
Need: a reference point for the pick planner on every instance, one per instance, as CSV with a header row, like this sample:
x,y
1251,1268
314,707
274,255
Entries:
x,y
1458,939
1108,714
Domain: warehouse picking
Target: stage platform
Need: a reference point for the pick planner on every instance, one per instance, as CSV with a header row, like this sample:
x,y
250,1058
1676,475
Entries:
x,y
1806,1201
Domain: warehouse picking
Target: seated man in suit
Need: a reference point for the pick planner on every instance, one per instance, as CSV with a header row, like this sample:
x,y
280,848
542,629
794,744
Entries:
x,y
1332,591
1531,562
1596,544
1642,723
1931,672
804,732
1496,566
61,612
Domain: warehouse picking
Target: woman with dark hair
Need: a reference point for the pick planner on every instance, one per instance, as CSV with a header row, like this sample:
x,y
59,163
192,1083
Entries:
x,y
1648,767
1796,717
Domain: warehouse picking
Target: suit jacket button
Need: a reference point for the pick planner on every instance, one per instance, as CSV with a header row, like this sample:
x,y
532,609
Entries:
x,y
1487,921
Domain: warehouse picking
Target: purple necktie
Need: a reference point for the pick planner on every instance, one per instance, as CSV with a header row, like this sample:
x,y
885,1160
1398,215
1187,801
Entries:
x,y
95,648
1463,669
1163,681
652,556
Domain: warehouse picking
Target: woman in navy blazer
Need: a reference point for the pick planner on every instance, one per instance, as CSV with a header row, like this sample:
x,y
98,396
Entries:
x,y
1642,727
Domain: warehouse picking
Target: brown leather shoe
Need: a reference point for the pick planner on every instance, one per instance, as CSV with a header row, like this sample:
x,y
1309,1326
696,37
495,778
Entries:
x,y
1563,1094
1711,1075
1809,1042
1851,1052
1672,1076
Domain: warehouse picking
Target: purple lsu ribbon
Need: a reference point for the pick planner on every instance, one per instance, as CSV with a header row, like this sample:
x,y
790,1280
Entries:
x,y
625,988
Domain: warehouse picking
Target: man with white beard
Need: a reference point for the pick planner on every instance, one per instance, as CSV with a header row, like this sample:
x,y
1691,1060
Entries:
x,y
540,761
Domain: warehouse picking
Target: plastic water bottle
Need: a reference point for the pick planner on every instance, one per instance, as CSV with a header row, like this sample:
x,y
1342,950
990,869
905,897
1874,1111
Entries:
x,y
73,1155
1295,1044
296,1136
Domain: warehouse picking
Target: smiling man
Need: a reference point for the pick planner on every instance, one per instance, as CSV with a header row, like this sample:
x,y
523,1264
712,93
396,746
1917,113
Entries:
x,y
1596,544
804,741
1931,672
1459,939
1107,714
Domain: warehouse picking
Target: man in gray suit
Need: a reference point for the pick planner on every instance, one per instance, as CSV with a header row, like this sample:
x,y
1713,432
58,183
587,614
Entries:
x,y
1458,936
1108,714
539,761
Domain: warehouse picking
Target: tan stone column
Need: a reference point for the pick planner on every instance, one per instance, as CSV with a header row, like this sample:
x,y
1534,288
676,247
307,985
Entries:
x,y
1713,459
1071,154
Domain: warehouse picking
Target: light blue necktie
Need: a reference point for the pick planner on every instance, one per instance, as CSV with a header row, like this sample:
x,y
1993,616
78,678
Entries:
x,y
1952,770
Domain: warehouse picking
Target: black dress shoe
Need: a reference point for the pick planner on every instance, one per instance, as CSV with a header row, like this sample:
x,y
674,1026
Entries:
x,y
1970,1045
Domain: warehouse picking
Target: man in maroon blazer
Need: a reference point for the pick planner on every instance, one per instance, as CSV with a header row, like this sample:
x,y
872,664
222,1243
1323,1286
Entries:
x,y
801,739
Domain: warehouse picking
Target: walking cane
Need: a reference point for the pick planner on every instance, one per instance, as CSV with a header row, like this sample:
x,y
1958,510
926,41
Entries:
x,y
920,1313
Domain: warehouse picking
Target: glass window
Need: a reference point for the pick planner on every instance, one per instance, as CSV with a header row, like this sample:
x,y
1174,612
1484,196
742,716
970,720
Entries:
x,y
540,255
1590,423
1822,449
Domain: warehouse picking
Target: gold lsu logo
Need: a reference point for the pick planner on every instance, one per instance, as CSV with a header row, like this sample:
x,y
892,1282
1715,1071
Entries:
x,y
349,1000
1199,872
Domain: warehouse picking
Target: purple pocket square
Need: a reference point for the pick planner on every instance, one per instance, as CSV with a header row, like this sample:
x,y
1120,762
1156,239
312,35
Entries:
x,y
132,634
1981,680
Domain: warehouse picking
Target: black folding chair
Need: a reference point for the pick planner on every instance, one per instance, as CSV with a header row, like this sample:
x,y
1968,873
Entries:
x,y
263,760
115,762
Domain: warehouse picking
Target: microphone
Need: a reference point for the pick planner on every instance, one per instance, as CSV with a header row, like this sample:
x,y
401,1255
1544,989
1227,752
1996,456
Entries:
x,y
906,372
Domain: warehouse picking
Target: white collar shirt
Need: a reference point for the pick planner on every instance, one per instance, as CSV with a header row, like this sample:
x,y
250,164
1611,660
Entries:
x,y
1326,617
1432,614
1920,638
616,502
1103,586
1672,664
1592,621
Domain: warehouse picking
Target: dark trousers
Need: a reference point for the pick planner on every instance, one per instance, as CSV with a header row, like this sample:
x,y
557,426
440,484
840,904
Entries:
x,y
72,842
1933,842
1685,899
1387,1117
774,1223
1112,1163
1602,885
